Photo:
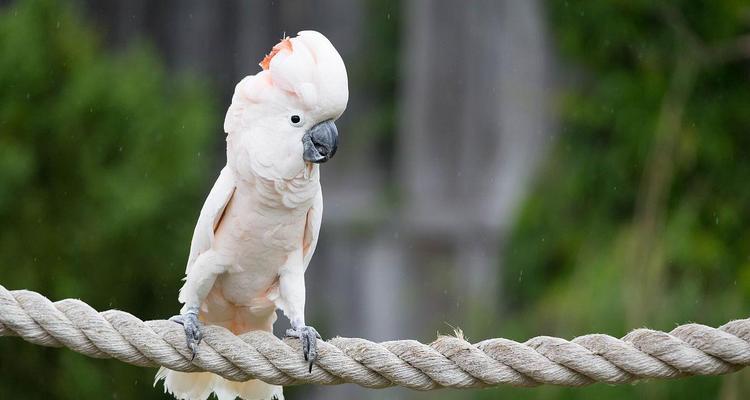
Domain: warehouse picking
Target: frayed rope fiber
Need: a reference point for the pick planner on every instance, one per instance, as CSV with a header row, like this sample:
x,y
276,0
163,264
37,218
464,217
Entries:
x,y
690,349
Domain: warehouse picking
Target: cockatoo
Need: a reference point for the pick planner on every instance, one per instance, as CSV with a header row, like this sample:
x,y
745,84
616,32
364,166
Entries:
x,y
259,225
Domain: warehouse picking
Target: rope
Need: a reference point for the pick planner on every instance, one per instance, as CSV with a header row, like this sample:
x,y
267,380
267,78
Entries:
x,y
690,349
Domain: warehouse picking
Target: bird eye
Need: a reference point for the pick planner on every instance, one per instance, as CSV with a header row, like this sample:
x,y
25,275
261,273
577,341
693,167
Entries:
x,y
296,120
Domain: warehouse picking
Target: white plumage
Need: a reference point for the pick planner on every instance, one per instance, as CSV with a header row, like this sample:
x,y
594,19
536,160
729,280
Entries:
x,y
259,226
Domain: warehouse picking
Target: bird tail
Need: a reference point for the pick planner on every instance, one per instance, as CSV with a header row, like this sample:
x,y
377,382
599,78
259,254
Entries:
x,y
200,385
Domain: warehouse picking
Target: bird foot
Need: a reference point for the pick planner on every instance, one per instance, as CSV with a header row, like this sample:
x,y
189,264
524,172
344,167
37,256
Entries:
x,y
308,335
192,325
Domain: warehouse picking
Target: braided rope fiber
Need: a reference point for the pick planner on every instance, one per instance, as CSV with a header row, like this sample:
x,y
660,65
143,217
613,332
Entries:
x,y
690,349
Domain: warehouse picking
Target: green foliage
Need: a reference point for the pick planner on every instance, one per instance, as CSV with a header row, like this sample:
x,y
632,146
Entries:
x,y
576,262
101,168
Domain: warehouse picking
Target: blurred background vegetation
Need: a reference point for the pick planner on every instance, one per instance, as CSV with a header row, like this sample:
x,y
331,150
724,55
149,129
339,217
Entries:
x,y
626,206
101,161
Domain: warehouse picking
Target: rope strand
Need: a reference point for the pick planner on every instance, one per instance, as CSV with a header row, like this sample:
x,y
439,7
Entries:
x,y
690,349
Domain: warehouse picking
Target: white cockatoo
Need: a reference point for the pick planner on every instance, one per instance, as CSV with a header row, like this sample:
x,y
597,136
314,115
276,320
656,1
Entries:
x,y
259,225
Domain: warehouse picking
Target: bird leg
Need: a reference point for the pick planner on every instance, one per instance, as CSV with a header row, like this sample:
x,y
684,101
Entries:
x,y
198,282
292,302
193,334
308,335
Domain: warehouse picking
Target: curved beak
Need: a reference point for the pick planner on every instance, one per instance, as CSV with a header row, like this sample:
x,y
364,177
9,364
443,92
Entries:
x,y
320,142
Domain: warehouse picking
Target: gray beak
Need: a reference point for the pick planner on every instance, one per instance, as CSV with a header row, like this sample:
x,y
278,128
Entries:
x,y
320,142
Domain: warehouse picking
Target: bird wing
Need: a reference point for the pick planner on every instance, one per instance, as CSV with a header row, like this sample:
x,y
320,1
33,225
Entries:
x,y
211,213
312,227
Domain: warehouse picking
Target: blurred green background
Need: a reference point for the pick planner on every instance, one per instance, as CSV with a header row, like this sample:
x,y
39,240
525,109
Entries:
x,y
602,148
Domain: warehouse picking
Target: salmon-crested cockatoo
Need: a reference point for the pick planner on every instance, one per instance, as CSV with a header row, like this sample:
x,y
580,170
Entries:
x,y
259,225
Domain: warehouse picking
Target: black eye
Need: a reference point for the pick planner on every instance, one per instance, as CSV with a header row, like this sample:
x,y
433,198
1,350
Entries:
x,y
296,120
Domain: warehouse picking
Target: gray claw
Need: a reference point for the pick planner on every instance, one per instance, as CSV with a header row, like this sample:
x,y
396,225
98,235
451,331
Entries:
x,y
308,335
192,325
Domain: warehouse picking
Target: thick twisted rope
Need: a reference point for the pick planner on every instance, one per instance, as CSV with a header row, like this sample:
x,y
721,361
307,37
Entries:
x,y
690,349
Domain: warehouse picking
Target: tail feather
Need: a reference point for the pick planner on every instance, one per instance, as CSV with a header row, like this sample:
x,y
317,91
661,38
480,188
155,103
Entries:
x,y
188,385
250,390
200,385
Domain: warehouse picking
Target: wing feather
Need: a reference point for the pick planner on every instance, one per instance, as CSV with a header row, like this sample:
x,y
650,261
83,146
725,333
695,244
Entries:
x,y
211,214
312,228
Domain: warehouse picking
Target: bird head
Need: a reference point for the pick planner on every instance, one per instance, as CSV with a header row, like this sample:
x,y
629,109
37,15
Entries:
x,y
282,119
